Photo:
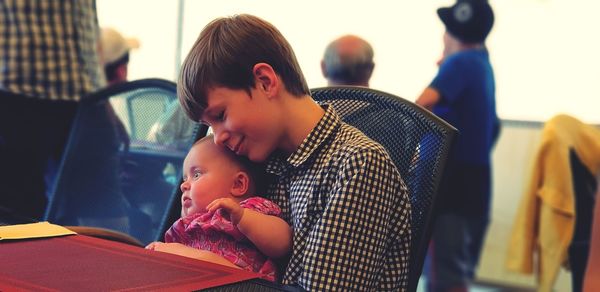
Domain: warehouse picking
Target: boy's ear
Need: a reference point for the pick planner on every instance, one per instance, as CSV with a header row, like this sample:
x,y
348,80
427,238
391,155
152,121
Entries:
x,y
241,184
265,78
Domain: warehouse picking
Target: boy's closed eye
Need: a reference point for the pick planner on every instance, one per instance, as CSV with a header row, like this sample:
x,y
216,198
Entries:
x,y
214,115
220,116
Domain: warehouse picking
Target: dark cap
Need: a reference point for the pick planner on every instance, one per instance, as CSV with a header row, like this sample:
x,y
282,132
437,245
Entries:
x,y
470,21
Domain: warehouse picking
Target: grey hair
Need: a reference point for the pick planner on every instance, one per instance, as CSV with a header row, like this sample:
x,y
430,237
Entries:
x,y
348,68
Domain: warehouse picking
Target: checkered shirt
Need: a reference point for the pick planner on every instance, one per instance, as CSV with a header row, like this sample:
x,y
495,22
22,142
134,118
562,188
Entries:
x,y
49,48
349,209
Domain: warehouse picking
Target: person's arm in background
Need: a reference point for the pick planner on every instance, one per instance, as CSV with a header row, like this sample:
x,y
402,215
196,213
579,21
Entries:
x,y
447,84
591,280
121,131
429,98
270,234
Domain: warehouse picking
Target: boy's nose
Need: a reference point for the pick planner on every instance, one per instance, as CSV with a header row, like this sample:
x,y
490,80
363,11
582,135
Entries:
x,y
221,137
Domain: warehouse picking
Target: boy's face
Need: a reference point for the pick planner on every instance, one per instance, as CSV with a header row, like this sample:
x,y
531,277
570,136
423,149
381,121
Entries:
x,y
248,124
208,175
451,44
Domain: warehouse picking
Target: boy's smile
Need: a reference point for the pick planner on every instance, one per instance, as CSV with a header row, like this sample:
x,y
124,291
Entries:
x,y
237,149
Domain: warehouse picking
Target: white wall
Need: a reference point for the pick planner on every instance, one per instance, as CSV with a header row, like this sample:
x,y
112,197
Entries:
x,y
545,52
403,35
154,24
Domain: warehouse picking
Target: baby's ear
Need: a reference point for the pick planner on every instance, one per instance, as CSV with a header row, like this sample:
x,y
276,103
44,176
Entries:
x,y
241,183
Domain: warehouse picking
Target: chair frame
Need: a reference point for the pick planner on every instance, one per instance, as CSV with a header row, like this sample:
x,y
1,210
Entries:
x,y
106,94
92,98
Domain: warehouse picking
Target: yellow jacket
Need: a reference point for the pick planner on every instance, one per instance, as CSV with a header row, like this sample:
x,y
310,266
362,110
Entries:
x,y
544,225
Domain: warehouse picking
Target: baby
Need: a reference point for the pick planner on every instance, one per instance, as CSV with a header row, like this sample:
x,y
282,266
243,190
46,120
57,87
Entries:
x,y
221,220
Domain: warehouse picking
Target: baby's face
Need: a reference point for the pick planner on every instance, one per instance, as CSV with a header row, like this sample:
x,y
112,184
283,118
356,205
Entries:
x,y
208,175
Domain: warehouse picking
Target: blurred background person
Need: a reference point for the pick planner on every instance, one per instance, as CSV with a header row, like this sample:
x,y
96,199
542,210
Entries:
x,y
114,54
95,197
348,60
173,128
142,181
463,94
47,63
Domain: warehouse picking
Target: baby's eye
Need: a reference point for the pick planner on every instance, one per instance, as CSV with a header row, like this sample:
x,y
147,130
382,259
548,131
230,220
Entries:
x,y
197,174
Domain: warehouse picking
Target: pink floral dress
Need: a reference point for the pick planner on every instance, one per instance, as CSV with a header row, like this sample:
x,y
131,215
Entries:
x,y
214,232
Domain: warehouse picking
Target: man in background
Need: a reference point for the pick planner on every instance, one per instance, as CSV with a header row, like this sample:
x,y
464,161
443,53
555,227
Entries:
x,y
114,54
47,63
348,60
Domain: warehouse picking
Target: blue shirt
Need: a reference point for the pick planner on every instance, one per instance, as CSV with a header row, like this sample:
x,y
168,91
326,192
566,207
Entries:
x,y
467,88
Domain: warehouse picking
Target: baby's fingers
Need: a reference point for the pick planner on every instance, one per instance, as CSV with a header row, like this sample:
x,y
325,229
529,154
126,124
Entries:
x,y
216,204
152,245
213,206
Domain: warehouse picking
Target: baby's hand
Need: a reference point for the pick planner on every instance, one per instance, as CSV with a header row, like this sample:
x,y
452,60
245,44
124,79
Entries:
x,y
174,248
152,245
230,206
186,251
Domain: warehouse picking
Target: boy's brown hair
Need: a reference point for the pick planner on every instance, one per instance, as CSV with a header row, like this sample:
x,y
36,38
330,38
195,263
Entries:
x,y
224,56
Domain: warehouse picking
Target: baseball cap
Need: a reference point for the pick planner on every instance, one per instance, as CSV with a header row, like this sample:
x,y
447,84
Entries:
x,y
115,46
470,21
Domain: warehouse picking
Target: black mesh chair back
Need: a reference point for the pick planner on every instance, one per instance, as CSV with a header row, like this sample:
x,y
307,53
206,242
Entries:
x,y
417,141
584,188
114,173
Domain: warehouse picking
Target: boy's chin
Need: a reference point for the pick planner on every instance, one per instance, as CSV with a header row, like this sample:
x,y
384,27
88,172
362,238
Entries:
x,y
256,160
256,157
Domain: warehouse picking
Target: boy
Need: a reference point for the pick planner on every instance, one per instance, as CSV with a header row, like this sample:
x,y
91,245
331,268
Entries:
x,y
463,93
221,219
339,190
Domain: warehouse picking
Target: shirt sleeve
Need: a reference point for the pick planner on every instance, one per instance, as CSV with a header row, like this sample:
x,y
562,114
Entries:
x,y
450,80
261,205
363,234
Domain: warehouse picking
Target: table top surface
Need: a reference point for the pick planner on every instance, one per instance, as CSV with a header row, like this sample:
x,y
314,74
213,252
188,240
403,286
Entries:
x,y
82,263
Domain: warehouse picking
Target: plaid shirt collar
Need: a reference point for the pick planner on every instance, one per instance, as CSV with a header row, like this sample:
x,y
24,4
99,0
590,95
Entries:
x,y
328,124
